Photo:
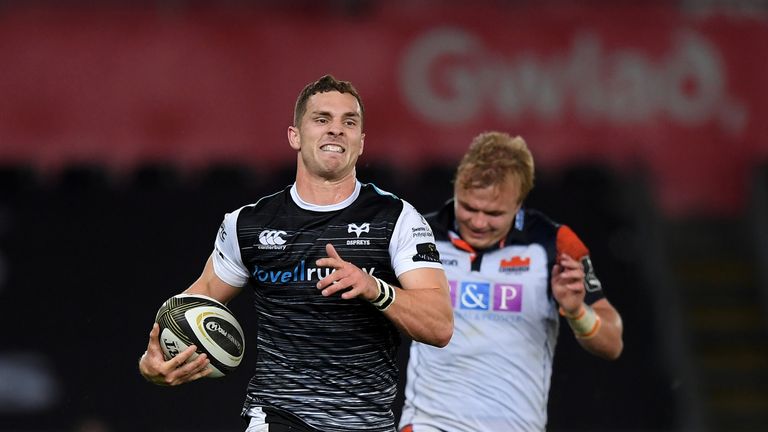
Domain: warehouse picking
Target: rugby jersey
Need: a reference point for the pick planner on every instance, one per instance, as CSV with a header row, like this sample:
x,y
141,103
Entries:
x,y
326,361
495,373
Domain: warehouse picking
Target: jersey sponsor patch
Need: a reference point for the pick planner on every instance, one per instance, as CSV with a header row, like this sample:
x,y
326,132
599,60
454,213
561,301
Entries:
x,y
272,239
418,232
426,252
484,296
449,262
591,282
516,264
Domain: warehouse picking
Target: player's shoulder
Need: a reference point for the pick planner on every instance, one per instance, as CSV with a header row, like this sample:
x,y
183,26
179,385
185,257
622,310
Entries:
x,y
373,196
538,220
370,190
533,226
539,227
442,220
267,204
275,198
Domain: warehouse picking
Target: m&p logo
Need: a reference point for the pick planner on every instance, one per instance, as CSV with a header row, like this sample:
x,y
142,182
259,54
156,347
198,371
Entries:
x,y
484,296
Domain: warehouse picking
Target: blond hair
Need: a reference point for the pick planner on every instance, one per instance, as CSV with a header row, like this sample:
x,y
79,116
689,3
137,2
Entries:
x,y
491,158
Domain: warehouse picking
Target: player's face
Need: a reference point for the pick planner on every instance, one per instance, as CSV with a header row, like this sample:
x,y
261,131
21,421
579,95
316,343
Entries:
x,y
330,136
485,215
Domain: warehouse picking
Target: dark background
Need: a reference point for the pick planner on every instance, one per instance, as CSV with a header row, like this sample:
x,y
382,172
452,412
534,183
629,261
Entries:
x,y
98,257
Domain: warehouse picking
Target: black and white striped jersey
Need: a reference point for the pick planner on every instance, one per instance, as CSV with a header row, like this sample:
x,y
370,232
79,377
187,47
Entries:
x,y
329,362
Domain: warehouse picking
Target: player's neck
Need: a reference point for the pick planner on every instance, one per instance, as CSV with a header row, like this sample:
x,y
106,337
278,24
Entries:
x,y
322,191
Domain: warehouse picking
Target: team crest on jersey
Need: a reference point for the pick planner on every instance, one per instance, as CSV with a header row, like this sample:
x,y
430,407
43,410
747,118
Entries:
x,y
515,264
357,230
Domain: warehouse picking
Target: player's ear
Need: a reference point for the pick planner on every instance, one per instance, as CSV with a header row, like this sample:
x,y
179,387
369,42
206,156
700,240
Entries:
x,y
294,138
362,144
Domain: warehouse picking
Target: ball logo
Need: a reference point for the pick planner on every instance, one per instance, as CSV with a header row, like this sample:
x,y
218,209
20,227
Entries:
x,y
224,335
171,347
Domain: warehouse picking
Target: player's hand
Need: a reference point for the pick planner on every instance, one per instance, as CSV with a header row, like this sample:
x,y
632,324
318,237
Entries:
x,y
347,277
568,283
178,370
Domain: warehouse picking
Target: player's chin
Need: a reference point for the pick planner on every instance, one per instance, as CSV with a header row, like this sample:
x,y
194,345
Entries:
x,y
482,244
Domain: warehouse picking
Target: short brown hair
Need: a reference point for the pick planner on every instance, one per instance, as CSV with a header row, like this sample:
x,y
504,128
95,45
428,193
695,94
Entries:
x,y
492,156
325,84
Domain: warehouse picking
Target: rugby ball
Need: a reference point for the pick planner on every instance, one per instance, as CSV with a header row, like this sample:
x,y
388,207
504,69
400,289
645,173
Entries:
x,y
194,319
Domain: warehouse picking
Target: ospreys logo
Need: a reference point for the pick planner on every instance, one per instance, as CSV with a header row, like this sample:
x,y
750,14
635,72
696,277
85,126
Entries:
x,y
363,228
358,229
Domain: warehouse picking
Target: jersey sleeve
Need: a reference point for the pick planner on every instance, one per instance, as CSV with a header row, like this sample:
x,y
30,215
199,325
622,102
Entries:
x,y
413,244
227,261
569,243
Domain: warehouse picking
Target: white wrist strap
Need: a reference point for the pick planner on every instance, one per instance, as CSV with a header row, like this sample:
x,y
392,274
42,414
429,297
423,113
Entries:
x,y
585,324
386,295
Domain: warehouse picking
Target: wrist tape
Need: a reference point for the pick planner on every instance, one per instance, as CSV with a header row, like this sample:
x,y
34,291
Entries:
x,y
386,295
585,324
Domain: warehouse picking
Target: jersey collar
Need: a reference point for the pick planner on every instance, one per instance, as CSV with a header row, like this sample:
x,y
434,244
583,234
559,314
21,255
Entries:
x,y
325,208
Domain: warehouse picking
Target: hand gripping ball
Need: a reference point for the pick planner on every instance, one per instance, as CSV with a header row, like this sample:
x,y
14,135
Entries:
x,y
194,319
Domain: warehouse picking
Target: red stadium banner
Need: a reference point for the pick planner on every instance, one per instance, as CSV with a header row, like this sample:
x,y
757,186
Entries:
x,y
680,94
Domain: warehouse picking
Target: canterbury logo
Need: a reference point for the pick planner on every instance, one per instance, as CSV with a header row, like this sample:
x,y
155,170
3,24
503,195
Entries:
x,y
354,228
272,237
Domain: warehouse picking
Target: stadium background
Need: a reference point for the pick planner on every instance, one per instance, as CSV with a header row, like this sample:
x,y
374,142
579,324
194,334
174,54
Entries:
x,y
127,130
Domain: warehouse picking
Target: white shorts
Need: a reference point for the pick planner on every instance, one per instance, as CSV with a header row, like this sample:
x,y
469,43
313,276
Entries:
x,y
273,420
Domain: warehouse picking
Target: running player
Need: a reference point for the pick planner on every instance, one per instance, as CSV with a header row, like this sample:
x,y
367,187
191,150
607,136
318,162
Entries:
x,y
512,272
337,268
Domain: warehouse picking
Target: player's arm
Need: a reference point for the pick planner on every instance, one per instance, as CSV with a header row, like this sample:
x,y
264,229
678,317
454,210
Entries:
x,y
209,284
422,309
597,327
607,342
594,321
175,371
224,264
